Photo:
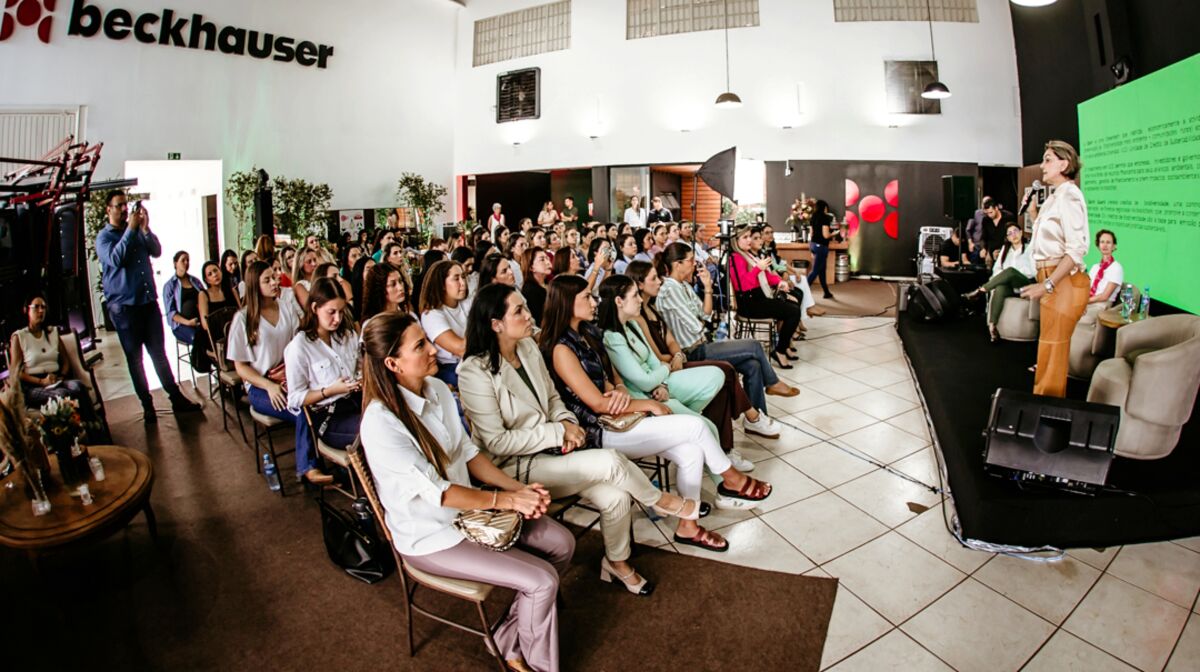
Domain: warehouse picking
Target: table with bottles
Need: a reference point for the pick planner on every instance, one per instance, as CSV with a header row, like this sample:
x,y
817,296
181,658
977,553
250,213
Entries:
x,y
124,492
1130,308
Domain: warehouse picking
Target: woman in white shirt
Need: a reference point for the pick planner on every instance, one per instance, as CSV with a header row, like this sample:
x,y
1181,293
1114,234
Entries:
x,y
1108,275
635,214
258,336
1060,241
303,272
423,461
322,366
1012,271
444,308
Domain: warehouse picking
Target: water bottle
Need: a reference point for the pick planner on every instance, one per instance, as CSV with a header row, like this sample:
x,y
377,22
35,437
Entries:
x,y
722,331
1144,309
270,473
1126,301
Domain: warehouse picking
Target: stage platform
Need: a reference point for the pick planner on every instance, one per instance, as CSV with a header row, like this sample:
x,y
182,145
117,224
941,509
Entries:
x,y
957,370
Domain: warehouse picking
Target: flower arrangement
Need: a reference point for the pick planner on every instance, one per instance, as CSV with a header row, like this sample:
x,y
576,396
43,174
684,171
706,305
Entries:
x,y
805,210
61,425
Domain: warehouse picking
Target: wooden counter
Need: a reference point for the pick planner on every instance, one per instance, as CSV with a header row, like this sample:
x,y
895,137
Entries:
x,y
790,252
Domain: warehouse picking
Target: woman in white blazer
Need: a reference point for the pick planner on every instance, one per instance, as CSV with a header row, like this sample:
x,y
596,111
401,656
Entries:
x,y
516,414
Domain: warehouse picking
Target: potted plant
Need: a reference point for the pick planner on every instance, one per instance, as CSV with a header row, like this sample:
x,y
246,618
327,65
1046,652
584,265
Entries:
x,y
424,197
301,207
239,195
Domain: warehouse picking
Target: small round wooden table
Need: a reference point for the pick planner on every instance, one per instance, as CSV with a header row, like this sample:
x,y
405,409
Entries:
x,y
124,492
1112,318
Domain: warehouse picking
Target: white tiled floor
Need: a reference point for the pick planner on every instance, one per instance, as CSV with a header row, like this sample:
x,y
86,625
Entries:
x,y
910,596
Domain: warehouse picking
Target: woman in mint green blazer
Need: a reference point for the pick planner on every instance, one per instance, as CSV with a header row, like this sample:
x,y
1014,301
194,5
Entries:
x,y
684,391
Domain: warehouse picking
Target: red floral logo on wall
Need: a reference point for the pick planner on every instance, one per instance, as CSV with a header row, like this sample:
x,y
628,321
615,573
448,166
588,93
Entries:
x,y
27,13
873,209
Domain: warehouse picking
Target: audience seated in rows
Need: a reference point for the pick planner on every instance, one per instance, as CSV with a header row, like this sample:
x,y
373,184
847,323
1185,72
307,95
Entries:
x,y
517,414
258,336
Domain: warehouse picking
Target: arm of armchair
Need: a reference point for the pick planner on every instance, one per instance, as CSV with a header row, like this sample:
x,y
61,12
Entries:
x,y
1165,378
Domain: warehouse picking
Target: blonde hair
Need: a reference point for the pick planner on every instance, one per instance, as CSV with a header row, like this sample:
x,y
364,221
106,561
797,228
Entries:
x,y
1066,152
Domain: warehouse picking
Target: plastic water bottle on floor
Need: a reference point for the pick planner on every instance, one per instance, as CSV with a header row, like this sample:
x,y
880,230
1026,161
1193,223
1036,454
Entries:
x,y
1144,308
722,331
270,473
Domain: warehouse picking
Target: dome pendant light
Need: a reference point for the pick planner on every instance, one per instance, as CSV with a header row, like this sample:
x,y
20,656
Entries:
x,y
728,100
933,90
1033,3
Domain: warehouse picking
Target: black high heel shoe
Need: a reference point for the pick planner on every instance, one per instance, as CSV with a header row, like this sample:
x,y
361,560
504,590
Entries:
x,y
780,360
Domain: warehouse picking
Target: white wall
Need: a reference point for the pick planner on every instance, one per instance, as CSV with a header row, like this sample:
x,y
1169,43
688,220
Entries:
x,y
379,109
646,90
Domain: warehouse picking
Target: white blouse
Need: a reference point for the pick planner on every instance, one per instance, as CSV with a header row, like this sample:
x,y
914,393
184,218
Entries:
x,y
1022,261
1113,275
312,365
636,218
409,486
1061,228
273,339
437,322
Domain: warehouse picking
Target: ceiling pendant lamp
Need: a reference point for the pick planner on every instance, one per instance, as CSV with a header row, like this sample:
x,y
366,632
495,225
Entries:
x,y
1033,3
934,90
728,100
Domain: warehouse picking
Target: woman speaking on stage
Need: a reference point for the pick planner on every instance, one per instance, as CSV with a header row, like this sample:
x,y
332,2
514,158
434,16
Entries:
x,y
1060,240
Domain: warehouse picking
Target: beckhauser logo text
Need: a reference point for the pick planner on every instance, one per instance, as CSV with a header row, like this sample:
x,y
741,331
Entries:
x,y
167,28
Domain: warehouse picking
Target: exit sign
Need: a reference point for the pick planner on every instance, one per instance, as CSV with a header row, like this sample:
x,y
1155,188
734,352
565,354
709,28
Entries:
x,y
174,156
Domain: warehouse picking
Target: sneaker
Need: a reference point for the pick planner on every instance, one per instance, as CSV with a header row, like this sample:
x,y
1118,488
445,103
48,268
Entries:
x,y
764,427
739,461
732,504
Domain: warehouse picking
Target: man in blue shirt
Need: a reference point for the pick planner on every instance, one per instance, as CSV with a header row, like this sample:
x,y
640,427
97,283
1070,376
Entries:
x,y
124,248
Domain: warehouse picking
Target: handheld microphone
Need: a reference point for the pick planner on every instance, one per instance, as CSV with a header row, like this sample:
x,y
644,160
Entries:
x,y
1037,186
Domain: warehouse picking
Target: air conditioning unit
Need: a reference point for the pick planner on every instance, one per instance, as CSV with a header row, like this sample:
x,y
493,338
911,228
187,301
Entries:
x,y
518,95
929,244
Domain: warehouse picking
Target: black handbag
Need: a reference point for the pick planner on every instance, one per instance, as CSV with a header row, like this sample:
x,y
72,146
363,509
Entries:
x,y
353,544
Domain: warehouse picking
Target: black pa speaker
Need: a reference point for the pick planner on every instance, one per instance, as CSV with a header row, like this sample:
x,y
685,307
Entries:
x,y
1064,444
933,301
958,197
264,214
69,239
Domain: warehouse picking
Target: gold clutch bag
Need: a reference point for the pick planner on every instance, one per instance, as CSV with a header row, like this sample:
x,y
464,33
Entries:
x,y
493,529
623,422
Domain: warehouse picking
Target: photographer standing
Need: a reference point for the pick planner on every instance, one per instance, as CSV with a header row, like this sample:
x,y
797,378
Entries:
x,y
124,248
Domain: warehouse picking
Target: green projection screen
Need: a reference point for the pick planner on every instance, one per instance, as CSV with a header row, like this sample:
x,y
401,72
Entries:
x,y
1140,145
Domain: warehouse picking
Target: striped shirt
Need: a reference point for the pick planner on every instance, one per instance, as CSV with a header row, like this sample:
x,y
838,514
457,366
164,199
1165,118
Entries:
x,y
683,312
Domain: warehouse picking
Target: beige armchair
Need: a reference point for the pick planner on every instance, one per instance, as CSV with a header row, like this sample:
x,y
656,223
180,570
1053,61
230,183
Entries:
x,y
1020,320
1091,341
1154,379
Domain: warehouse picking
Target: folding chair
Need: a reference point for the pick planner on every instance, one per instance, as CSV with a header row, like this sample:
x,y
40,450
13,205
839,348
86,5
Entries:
x,y
412,578
229,383
747,327
334,456
83,372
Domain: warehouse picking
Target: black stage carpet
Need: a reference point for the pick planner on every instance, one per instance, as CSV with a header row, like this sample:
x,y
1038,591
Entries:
x,y
958,370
